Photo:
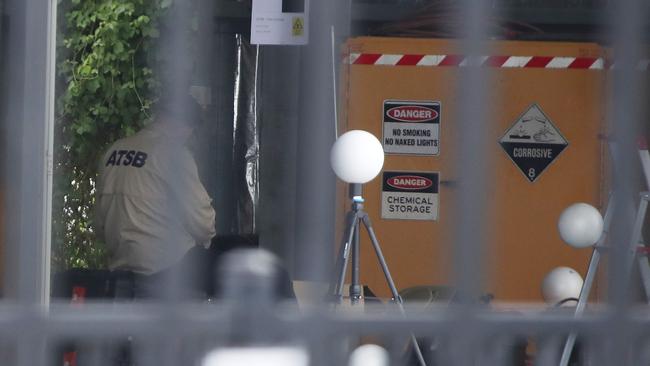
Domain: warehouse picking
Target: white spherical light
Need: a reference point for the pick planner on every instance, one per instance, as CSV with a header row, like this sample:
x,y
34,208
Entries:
x,y
369,355
357,157
560,284
580,225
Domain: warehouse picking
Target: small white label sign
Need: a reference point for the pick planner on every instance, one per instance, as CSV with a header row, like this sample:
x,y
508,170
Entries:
x,y
410,195
280,22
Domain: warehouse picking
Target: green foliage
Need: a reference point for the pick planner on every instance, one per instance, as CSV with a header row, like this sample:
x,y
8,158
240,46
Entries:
x,y
106,88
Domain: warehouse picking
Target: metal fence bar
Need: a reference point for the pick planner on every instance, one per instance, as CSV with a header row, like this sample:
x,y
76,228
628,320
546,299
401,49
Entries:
x,y
144,322
143,319
469,239
29,120
316,189
469,234
625,115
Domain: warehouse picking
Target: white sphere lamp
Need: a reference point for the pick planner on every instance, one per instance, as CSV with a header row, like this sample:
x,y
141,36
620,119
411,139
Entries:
x,y
369,355
560,284
580,225
357,157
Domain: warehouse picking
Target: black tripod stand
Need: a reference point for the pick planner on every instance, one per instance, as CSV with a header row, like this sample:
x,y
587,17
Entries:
x,y
355,218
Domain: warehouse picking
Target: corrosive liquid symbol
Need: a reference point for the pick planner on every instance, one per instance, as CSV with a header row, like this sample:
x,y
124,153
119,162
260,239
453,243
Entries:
x,y
533,142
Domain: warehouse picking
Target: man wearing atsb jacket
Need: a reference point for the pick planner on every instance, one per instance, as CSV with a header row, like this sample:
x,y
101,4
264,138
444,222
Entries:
x,y
151,206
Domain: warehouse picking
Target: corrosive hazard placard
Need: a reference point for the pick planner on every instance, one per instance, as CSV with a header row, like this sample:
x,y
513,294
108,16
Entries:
x,y
411,127
533,142
410,195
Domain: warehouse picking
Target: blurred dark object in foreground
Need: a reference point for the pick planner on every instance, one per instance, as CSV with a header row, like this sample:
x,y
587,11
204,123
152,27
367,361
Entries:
x,y
199,270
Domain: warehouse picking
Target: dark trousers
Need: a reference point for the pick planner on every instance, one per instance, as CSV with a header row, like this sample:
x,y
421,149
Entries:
x,y
190,279
198,272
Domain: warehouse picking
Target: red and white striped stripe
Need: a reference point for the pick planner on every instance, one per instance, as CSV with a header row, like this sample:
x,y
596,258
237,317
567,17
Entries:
x,y
548,62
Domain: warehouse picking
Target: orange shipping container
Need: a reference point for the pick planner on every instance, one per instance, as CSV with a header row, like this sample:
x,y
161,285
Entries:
x,y
564,100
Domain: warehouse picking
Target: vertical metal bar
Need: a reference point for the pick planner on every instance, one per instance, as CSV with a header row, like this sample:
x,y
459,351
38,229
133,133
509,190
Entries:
x,y
443,354
471,158
594,350
470,148
624,118
548,350
316,190
395,346
90,353
144,352
32,350
176,79
29,122
31,339
334,88
628,18
643,352
502,350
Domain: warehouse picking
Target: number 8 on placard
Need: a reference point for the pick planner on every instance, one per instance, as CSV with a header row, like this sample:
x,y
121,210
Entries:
x,y
531,173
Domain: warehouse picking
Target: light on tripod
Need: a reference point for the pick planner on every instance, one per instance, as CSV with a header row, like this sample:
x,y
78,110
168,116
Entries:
x,y
580,225
560,284
357,157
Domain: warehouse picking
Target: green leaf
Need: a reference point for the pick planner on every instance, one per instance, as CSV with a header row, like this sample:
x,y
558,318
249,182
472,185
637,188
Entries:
x,y
85,70
118,48
93,85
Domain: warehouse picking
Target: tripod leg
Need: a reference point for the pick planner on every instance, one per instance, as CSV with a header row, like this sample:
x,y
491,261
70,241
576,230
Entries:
x,y
389,279
354,222
355,287
380,257
340,257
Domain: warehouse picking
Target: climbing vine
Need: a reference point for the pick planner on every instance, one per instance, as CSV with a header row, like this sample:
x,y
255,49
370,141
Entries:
x,y
106,87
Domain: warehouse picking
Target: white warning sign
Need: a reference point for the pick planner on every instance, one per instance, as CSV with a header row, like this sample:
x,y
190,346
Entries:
x,y
280,22
410,195
533,142
411,127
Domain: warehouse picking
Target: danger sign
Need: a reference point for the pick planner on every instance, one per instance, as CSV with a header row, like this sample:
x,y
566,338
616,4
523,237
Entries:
x,y
411,127
533,142
410,195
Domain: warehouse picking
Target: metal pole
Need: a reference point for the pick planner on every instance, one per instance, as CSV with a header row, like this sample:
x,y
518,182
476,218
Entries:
x,y
628,19
315,224
355,286
29,122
